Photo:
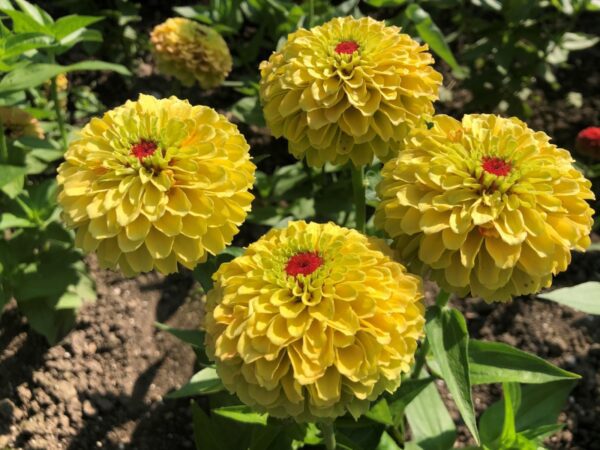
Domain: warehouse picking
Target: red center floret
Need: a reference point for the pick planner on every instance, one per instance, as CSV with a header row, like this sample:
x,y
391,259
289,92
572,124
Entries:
x,y
496,166
143,149
346,47
303,263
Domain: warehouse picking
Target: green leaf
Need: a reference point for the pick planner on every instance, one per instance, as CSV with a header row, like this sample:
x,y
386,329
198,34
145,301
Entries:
x,y
385,3
578,41
33,11
33,75
512,399
204,272
202,383
243,414
405,394
193,337
205,434
69,24
430,422
17,45
583,297
448,336
540,406
248,110
12,179
380,412
8,220
433,36
387,443
24,23
495,362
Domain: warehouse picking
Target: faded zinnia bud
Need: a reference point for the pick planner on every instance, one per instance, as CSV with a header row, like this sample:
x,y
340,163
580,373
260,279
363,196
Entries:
x,y
486,206
349,89
154,183
588,142
191,52
18,123
312,321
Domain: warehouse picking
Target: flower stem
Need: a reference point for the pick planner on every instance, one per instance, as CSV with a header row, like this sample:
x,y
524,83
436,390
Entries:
x,y
442,298
311,12
57,110
3,147
358,186
420,359
328,435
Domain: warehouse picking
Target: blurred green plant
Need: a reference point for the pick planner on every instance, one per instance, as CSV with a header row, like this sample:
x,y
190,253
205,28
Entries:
x,y
39,266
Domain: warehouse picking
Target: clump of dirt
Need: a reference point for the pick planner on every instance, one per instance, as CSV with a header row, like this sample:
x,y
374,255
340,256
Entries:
x,y
103,385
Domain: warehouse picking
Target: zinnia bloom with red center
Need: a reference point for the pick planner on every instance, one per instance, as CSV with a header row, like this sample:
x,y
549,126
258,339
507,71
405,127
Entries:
x,y
485,206
588,142
347,90
155,183
313,321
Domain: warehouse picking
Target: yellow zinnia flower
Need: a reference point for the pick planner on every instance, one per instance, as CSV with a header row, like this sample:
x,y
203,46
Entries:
x,y
313,321
18,123
156,182
487,206
349,89
191,52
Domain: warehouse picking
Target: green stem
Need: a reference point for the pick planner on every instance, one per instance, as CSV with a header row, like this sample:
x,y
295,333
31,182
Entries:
x,y
442,298
358,186
311,12
3,147
58,111
328,435
420,359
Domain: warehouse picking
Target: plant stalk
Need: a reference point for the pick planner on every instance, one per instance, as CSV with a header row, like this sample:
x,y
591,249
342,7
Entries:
x,y
59,115
311,13
358,187
328,435
3,147
442,298
420,359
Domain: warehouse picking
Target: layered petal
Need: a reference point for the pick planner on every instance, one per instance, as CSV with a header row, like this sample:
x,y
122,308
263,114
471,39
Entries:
x,y
191,52
486,206
154,183
349,89
313,321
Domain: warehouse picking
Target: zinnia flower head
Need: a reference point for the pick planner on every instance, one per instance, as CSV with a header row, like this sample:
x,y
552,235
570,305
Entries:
x,y
191,52
486,205
313,321
154,183
349,89
18,123
588,142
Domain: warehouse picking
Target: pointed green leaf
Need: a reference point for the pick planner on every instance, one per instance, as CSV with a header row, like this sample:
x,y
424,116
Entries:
x,y
202,383
583,297
242,413
405,394
69,24
193,337
33,75
495,362
380,412
430,422
448,336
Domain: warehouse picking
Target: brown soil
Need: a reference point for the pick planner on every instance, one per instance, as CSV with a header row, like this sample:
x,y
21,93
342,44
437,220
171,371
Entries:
x,y
102,386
